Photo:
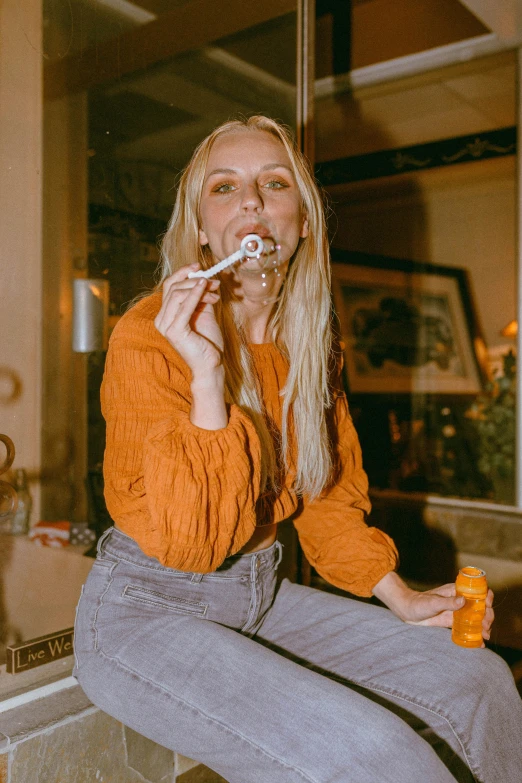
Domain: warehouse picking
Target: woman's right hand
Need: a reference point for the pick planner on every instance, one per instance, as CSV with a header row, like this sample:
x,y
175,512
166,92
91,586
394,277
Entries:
x,y
187,320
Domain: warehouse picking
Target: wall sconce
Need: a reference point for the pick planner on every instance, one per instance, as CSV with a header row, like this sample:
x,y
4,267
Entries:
x,y
510,330
90,315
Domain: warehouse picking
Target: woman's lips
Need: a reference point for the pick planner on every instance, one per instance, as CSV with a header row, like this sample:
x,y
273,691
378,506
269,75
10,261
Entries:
x,y
261,231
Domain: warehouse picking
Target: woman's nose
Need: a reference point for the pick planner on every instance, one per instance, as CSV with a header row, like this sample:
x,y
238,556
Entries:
x,y
251,199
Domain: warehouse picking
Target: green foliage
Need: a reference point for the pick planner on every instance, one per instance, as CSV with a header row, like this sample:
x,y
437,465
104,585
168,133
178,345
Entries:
x,y
493,414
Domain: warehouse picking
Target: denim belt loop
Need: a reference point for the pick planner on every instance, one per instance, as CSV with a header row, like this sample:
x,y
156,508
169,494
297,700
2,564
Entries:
x,y
102,539
196,577
279,548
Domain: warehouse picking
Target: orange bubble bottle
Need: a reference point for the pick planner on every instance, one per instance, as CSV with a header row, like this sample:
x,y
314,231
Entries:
x,y
467,622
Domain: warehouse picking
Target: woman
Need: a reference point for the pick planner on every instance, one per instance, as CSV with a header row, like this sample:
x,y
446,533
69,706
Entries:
x,y
224,417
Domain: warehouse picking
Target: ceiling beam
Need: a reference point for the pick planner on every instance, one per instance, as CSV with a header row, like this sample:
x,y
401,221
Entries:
x,y
191,26
503,17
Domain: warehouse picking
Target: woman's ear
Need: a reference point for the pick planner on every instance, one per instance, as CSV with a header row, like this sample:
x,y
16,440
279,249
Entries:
x,y
203,239
304,228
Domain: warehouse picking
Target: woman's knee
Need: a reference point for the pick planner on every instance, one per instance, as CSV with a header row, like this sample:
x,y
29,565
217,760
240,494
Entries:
x,y
480,670
392,750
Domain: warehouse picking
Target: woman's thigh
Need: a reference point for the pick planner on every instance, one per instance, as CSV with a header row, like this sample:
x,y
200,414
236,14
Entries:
x,y
226,700
461,700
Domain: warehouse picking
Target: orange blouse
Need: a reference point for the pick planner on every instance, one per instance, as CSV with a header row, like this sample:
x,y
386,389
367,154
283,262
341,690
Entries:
x,y
188,496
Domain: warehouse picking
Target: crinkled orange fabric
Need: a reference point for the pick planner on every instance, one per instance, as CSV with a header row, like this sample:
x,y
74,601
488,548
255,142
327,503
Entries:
x,y
190,497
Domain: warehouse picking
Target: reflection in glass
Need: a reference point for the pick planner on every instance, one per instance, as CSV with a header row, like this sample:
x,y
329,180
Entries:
x,y
143,130
8,497
423,171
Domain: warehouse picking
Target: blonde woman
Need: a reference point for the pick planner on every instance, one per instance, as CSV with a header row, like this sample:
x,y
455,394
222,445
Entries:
x,y
225,416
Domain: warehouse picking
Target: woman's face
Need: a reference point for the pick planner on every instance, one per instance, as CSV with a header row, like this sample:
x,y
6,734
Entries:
x,y
249,185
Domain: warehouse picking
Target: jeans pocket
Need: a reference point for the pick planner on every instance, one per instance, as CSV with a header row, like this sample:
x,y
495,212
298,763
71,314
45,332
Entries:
x,y
164,601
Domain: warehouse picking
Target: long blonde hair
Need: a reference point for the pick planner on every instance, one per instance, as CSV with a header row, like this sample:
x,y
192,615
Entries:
x,y
300,323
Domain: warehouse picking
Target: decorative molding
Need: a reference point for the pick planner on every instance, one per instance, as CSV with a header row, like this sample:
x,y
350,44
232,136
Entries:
x,y
411,65
401,160
477,148
447,152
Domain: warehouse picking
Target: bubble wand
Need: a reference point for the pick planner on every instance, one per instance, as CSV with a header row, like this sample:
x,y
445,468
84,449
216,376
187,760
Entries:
x,y
252,246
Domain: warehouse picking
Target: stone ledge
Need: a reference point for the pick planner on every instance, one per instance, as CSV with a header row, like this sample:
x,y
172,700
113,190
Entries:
x,y
39,715
480,528
64,737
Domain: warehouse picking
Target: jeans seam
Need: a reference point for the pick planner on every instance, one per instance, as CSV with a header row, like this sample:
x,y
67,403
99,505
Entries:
x,y
209,718
76,663
418,703
253,600
163,569
100,604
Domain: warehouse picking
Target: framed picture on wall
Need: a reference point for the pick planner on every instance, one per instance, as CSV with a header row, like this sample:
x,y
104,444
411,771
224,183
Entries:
x,y
407,327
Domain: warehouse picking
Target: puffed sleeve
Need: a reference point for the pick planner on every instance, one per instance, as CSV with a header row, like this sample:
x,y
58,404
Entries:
x,y
332,529
185,494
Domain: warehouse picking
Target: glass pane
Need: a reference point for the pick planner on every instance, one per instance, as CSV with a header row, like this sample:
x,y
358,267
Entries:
x,y
421,174
130,89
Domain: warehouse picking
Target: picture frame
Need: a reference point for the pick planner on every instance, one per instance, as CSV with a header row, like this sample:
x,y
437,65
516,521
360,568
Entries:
x,y
407,327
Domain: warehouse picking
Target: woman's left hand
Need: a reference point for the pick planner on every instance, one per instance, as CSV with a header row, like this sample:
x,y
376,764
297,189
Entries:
x,y
432,607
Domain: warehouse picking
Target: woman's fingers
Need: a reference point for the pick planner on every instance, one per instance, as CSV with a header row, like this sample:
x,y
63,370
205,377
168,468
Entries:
x,y
436,609
187,306
179,304
175,292
446,590
440,620
179,307
489,616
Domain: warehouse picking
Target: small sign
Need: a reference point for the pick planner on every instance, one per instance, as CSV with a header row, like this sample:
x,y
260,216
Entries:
x,y
22,657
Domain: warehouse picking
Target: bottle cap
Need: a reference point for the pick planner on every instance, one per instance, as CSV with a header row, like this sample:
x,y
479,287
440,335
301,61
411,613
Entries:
x,y
471,580
473,572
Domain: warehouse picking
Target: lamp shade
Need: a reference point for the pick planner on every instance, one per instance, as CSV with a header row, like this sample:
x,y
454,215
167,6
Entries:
x,y
90,315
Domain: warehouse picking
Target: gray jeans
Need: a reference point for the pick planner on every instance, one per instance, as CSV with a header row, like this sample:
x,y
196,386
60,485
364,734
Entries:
x,y
279,683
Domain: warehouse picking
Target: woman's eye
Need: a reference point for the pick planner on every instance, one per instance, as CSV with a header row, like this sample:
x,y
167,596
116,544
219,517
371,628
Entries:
x,y
276,184
226,187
